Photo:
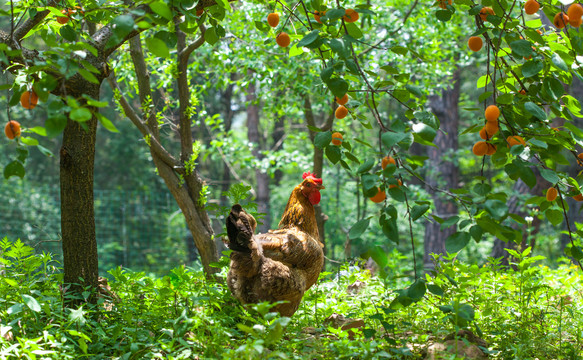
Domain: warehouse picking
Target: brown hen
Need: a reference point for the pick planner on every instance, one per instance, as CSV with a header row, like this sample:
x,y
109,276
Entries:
x,y
281,264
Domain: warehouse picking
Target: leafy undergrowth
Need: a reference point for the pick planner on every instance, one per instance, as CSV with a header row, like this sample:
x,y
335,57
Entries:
x,y
527,313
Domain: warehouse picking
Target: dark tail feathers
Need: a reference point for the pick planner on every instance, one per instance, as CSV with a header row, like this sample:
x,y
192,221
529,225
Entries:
x,y
240,229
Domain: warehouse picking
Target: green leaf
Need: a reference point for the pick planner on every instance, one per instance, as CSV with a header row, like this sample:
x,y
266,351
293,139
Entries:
x,y
55,125
532,67
333,153
535,110
576,253
322,139
435,289
559,62
158,47
334,14
87,75
80,114
310,38
354,30
549,175
107,124
161,9
553,87
497,208
29,141
443,15
359,228
68,33
210,35
476,232
522,47
14,168
417,290
415,90
366,166
338,86
389,139
554,216
418,210
31,303
456,241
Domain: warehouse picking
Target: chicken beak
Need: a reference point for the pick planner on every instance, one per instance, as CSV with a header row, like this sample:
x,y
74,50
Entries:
x,y
320,187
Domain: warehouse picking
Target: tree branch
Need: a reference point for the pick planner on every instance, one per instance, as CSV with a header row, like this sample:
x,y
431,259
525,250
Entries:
x,y
185,53
154,144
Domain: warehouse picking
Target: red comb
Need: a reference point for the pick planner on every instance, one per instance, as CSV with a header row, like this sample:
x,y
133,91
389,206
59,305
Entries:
x,y
313,177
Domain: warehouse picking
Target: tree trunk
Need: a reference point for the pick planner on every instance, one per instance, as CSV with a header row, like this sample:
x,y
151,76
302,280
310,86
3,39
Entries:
x,y
261,177
77,212
444,173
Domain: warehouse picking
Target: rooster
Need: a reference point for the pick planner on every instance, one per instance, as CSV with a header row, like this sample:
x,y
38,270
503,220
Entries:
x,y
281,264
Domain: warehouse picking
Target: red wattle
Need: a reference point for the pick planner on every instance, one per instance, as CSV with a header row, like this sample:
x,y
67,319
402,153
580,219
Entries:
x,y
314,197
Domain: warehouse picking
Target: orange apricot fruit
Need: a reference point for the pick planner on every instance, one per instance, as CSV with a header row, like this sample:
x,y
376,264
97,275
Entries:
x,y
29,99
379,197
560,20
484,134
351,16
580,156
199,12
491,150
337,138
531,7
480,148
388,160
341,112
443,3
318,15
492,113
343,100
12,129
491,128
475,43
282,39
515,140
394,186
576,22
485,11
552,194
273,19
575,11
578,197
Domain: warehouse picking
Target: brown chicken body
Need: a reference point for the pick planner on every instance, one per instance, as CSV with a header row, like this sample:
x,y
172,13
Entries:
x,y
281,264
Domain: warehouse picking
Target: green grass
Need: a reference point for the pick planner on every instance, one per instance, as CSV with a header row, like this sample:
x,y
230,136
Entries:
x,y
527,313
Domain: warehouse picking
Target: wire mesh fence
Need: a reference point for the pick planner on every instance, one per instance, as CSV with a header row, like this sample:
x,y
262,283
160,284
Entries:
x,y
140,230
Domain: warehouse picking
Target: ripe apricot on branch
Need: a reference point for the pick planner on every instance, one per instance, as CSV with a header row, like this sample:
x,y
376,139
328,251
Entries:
x,y
552,194
318,14
531,7
578,197
575,11
484,134
379,197
443,3
343,100
485,11
273,19
492,113
475,43
337,138
29,99
388,160
341,112
491,128
394,186
199,12
515,140
560,20
480,148
282,39
12,129
351,16
575,22
491,150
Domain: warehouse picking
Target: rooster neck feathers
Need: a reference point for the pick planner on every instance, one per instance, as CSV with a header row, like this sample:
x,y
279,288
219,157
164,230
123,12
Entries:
x,y
299,213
